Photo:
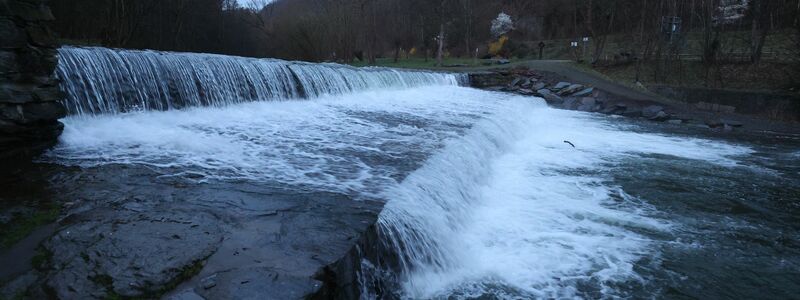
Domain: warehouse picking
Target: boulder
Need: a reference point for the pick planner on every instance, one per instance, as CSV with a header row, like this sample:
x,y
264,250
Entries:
x,y
570,103
526,83
586,108
651,111
538,86
570,90
503,61
526,92
633,112
615,109
515,82
561,85
550,97
588,101
585,92
553,99
660,116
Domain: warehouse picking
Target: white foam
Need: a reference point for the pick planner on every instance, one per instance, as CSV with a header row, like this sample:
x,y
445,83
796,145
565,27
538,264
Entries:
x,y
512,210
336,143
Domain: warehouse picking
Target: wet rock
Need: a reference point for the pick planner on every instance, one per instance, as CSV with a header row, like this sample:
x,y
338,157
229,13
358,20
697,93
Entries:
x,y
260,283
188,294
17,94
550,97
515,82
495,88
588,101
32,112
675,121
633,112
585,92
123,252
538,86
587,104
713,123
660,116
651,111
570,90
618,108
209,282
526,83
570,103
526,92
732,123
561,85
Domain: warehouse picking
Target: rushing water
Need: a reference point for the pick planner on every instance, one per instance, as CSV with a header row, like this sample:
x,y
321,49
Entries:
x,y
485,199
103,81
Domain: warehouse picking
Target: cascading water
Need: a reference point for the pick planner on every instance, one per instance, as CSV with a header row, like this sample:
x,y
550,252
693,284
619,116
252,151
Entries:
x,y
511,211
484,197
102,80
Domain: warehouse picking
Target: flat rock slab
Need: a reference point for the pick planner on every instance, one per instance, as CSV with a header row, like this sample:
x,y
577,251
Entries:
x,y
130,232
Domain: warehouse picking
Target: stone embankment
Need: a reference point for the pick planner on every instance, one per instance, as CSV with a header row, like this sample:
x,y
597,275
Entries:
x,y
29,96
559,92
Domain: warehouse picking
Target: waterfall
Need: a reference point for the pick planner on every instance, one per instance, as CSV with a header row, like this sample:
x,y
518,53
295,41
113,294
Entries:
x,y
108,81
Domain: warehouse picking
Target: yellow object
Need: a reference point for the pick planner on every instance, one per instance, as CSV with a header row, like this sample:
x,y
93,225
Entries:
x,y
412,51
496,47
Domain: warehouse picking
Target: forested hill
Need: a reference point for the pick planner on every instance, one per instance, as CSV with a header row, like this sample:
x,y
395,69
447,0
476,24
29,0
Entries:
x,y
344,30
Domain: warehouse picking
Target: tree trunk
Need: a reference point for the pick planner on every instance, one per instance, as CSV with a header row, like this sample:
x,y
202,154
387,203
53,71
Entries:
x,y
440,52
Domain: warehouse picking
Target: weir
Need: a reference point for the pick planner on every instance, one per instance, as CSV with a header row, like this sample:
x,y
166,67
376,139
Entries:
x,y
108,81
385,184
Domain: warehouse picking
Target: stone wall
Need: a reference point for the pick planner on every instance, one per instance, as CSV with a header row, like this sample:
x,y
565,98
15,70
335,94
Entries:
x,y
29,96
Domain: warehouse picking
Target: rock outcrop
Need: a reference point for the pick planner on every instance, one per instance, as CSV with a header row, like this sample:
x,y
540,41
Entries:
x,y
29,96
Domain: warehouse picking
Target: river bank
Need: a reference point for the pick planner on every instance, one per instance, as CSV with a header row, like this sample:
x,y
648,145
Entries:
x,y
566,87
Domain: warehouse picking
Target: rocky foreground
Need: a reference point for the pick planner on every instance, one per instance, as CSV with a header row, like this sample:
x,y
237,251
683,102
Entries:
x,y
130,232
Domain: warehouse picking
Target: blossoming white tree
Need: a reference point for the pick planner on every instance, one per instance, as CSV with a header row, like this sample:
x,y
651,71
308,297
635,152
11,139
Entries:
x,y
502,25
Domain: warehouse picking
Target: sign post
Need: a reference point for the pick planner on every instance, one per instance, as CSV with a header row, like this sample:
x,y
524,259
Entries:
x,y
585,42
